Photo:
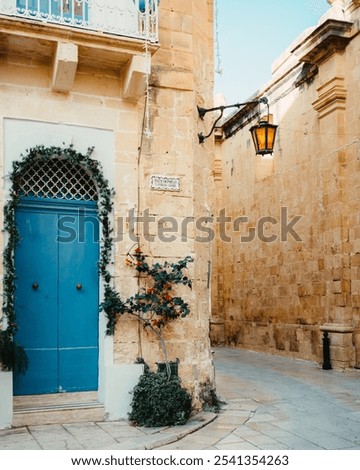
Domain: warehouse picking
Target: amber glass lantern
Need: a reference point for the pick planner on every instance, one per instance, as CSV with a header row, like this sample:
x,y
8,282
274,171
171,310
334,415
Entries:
x,y
263,135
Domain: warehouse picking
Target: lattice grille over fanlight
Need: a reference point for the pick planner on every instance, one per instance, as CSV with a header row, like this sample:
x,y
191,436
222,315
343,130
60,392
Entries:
x,y
58,178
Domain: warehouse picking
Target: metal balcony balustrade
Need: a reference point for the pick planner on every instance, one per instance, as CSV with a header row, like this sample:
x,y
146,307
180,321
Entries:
x,y
136,19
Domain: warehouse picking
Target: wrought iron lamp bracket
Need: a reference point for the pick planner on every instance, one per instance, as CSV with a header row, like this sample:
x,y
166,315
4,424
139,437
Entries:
x,y
203,111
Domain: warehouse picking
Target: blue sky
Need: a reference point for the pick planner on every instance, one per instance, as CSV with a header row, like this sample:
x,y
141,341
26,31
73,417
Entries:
x,y
252,34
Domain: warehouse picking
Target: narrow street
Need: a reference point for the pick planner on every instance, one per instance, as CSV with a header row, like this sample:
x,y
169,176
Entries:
x,y
280,403
272,403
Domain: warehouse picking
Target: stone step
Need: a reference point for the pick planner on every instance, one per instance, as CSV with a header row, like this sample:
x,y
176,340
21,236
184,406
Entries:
x,y
57,409
51,399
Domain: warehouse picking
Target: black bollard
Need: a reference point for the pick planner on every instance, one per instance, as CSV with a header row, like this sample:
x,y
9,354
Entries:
x,y
326,351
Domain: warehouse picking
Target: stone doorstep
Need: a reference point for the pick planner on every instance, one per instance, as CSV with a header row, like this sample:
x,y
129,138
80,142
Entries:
x,y
59,415
51,399
57,409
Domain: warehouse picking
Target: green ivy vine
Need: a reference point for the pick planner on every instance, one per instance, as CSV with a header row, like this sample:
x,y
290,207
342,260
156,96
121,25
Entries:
x,y
12,355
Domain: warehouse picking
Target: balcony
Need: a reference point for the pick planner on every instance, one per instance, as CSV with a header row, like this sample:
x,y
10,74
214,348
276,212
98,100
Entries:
x,y
137,19
65,35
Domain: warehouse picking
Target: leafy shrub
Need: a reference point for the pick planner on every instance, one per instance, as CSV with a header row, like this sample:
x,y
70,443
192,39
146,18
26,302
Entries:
x,y
12,355
159,401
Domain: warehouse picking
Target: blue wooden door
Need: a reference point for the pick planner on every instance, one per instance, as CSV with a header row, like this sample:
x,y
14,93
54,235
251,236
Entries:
x,y
56,297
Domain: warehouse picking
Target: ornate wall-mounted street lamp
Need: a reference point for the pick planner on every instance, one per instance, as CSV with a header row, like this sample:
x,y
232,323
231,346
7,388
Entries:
x,y
263,133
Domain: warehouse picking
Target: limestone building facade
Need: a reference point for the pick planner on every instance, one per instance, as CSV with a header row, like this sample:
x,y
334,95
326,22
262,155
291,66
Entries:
x,y
123,78
288,270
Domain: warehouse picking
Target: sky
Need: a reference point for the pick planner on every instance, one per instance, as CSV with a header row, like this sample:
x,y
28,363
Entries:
x,y
252,34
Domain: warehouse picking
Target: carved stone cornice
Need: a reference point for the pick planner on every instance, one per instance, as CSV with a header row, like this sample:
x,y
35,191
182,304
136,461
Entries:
x,y
331,37
352,5
332,97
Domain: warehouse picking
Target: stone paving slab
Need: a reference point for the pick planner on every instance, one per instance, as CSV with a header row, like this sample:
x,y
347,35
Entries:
x,y
105,435
281,404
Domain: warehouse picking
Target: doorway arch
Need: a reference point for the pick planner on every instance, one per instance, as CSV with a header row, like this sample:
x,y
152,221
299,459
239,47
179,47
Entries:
x,y
57,280
12,354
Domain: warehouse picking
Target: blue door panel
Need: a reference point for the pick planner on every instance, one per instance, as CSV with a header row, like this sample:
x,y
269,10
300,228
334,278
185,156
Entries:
x,y
36,279
76,367
78,325
56,299
41,376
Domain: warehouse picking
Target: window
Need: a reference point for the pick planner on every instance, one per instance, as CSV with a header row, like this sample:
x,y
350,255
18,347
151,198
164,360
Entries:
x,y
67,11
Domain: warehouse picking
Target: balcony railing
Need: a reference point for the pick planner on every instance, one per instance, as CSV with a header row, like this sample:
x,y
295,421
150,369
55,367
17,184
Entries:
x,y
132,18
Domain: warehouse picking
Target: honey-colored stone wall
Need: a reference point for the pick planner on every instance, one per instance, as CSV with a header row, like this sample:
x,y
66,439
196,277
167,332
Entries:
x,y
279,290
180,79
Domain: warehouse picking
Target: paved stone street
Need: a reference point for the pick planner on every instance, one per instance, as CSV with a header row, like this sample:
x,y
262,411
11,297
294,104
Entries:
x,y
272,403
280,403
116,435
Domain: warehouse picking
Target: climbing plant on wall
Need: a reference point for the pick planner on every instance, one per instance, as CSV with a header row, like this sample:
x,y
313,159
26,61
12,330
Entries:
x,y
155,304
12,355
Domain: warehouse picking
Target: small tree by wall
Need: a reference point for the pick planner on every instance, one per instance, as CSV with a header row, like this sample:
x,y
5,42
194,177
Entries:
x,y
155,304
158,398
